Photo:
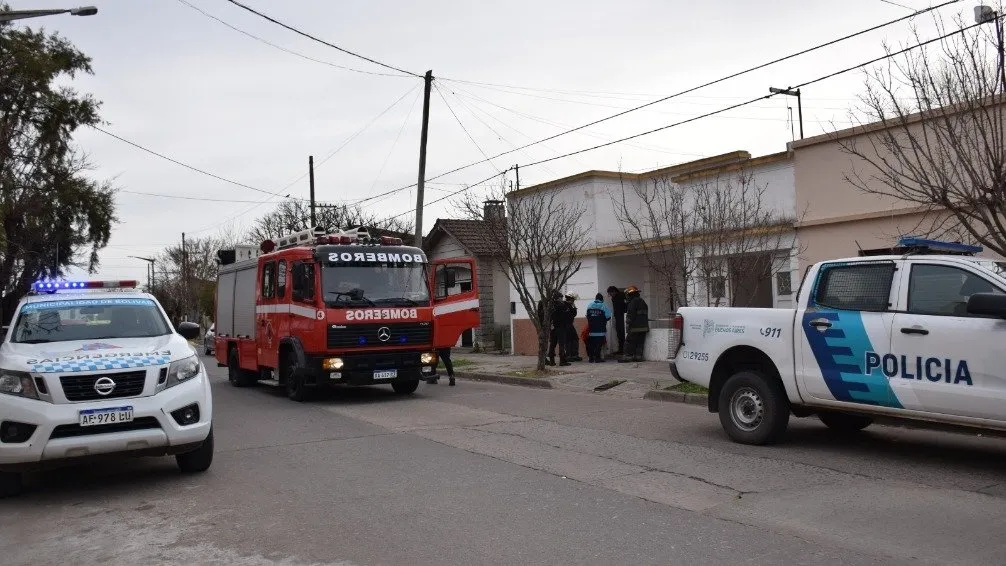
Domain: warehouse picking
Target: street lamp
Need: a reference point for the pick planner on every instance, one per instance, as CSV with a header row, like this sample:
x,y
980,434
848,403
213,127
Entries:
x,y
984,15
150,270
22,14
799,105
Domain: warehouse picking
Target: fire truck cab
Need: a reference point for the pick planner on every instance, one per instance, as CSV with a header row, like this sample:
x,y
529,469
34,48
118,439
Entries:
x,y
316,310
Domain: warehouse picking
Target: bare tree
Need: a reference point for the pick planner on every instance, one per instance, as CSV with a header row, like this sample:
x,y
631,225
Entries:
x,y
705,234
295,215
539,238
938,141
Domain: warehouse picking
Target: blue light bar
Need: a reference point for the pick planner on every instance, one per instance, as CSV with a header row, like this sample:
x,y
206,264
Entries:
x,y
938,246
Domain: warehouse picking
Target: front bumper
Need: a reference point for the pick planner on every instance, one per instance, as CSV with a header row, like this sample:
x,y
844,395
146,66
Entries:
x,y
154,430
358,369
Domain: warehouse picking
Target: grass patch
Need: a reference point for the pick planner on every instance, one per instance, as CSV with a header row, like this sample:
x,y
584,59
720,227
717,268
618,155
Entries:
x,y
458,362
688,388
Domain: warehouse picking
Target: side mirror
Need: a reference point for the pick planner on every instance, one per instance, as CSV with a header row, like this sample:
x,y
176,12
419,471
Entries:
x,y
450,279
189,330
987,304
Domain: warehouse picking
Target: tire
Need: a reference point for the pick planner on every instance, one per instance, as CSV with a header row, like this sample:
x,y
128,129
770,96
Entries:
x,y
845,422
198,460
405,387
753,408
10,484
237,376
293,379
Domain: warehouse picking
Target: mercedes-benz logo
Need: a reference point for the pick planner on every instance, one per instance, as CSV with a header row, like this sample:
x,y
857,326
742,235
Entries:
x,y
104,386
384,334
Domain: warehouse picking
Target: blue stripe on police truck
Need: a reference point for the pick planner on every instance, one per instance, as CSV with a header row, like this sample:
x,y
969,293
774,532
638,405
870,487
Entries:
x,y
841,354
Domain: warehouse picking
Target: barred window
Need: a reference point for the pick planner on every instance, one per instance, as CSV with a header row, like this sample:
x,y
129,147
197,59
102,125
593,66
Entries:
x,y
856,286
784,283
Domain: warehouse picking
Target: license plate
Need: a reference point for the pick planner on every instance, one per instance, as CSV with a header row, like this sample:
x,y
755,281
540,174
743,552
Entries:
x,y
388,374
92,417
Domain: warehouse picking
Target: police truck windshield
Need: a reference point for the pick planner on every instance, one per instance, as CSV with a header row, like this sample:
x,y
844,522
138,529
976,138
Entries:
x,y
371,284
88,319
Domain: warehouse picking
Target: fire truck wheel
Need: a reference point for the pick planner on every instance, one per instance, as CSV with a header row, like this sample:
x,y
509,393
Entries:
x,y
293,378
237,376
405,387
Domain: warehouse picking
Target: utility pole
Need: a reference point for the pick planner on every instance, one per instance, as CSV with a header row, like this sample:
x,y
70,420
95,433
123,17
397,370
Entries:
x,y
310,172
516,170
799,104
185,281
422,159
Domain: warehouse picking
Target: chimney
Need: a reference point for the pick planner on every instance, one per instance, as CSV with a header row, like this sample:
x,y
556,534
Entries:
x,y
493,210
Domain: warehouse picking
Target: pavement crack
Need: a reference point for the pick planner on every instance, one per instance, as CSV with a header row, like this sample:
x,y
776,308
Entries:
x,y
644,467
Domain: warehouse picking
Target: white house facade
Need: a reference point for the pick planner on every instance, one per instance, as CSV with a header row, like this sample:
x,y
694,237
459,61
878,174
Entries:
x,y
614,253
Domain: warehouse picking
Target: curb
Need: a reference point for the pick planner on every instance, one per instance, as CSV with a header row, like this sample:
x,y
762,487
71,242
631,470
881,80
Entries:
x,y
677,397
540,383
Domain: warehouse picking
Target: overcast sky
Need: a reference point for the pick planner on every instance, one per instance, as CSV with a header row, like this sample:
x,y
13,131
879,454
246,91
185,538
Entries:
x,y
180,83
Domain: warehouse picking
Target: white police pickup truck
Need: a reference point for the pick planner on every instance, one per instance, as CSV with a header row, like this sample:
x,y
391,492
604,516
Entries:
x,y
89,369
914,336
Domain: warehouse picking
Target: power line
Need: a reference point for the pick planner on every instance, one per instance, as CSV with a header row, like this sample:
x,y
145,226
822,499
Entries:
x,y
186,165
707,84
358,133
733,106
284,49
459,191
394,144
467,133
318,165
181,197
321,41
753,100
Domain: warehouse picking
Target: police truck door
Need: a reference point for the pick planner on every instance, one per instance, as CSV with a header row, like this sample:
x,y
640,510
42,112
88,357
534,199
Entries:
x,y
949,361
455,299
844,323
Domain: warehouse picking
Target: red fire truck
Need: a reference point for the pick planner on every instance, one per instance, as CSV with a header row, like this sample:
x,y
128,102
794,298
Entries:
x,y
317,309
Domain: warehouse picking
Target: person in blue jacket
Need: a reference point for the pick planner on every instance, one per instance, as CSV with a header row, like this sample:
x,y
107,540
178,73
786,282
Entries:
x,y
598,315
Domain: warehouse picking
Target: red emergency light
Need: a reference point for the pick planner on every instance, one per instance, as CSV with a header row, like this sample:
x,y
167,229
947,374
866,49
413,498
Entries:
x,y
389,241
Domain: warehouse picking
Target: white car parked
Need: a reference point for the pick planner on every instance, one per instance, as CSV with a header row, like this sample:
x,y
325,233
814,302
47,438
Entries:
x,y
87,369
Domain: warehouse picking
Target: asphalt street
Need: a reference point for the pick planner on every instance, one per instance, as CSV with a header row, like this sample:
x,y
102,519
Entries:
x,y
494,474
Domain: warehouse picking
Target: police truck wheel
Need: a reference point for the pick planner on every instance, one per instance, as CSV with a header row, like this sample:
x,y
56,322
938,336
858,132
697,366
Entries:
x,y
405,387
237,376
753,408
198,460
293,378
10,484
844,422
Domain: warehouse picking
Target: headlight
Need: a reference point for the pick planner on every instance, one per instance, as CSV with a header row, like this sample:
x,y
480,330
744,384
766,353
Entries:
x,y
331,364
183,370
428,358
17,383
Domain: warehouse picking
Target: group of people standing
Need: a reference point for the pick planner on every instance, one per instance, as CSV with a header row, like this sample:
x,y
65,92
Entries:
x,y
628,309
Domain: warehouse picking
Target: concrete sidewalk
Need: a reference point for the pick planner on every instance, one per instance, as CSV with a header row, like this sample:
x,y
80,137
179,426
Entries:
x,y
640,377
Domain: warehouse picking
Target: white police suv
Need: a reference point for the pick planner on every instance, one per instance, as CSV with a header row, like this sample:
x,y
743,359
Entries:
x,y
94,368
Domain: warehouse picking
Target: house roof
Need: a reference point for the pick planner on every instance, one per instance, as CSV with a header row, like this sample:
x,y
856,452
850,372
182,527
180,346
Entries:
x,y
682,171
472,234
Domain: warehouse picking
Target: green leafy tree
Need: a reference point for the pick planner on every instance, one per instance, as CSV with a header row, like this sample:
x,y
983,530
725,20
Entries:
x,y
51,213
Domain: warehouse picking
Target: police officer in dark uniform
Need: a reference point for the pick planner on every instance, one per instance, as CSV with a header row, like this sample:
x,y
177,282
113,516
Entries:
x,y
572,340
557,336
637,321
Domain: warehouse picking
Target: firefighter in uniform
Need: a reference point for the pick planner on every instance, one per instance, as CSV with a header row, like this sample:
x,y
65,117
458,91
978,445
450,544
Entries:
x,y
637,323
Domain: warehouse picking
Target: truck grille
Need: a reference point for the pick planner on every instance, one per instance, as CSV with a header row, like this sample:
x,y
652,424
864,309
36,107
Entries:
x,y
81,387
355,335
